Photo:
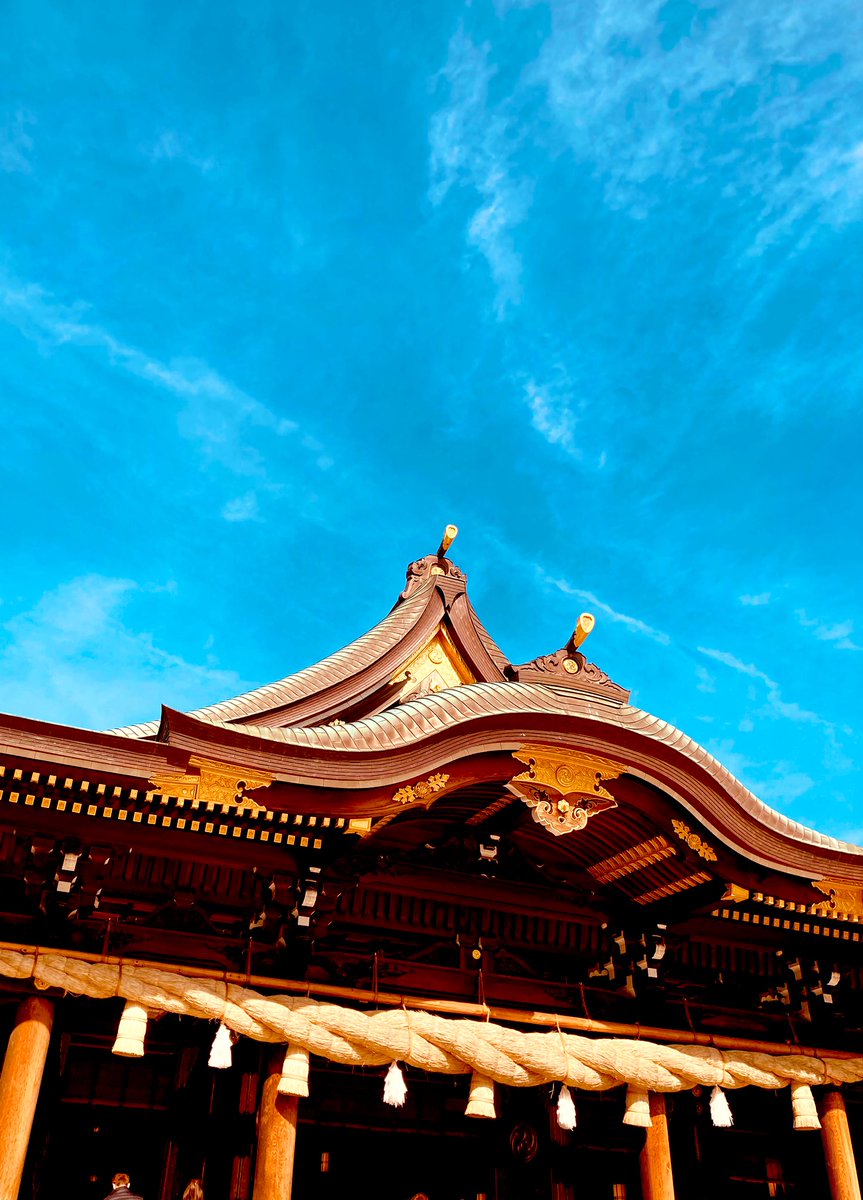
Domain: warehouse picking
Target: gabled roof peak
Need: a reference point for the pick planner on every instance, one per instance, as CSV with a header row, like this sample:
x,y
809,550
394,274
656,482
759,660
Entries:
x,y
433,566
569,667
431,640
419,573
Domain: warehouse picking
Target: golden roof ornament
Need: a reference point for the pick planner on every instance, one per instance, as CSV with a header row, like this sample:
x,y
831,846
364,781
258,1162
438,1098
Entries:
x,y
563,788
449,536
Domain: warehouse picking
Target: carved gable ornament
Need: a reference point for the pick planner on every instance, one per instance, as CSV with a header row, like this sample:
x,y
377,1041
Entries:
x,y
563,788
433,669
569,667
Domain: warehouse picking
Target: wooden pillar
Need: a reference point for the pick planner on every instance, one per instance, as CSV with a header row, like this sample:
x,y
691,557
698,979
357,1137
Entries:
x,y
19,1088
561,1140
277,1136
657,1182
838,1150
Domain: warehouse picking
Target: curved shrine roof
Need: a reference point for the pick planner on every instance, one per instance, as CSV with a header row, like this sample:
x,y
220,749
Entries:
x,y
434,601
429,691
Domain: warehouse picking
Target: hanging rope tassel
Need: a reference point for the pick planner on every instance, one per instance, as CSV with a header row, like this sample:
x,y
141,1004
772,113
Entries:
x,y
395,1088
220,1052
803,1107
480,1102
637,1108
294,1079
565,1109
720,1110
131,1031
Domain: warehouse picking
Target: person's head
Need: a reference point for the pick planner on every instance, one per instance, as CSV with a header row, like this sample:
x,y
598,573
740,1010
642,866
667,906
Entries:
x,y
120,1180
194,1190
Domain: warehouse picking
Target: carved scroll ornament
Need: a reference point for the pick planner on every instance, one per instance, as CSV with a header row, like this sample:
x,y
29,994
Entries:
x,y
224,784
423,569
843,899
570,667
563,788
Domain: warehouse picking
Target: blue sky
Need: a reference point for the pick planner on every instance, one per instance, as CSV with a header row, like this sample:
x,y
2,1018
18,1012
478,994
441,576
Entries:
x,y
285,287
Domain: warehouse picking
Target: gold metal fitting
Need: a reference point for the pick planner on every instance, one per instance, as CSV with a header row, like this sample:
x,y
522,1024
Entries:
x,y
583,629
449,536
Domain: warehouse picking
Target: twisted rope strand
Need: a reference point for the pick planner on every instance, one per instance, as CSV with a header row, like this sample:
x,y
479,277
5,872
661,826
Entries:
x,y
431,1043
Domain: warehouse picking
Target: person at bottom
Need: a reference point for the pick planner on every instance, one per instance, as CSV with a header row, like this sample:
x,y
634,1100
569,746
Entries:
x,y
122,1188
194,1190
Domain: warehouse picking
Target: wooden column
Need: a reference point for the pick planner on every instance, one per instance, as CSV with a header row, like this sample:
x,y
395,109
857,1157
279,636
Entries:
x,y
657,1182
838,1150
277,1136
561,1140
19,1088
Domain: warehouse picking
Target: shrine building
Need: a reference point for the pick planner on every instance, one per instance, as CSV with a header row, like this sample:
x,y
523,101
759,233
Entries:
x,y
418,921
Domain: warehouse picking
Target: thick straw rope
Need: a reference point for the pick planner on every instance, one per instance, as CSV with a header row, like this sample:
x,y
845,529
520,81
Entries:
x,y
432,1043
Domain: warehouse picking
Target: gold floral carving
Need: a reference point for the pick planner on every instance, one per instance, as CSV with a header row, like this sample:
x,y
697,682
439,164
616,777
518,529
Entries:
x,y
423,790
693,841
563,788
223,784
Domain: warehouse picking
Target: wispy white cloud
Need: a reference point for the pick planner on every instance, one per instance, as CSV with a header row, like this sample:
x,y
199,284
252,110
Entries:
x,y
756,601
736,664
785,786
753,94
706,682
779,785
15,142
551,412
849,832
170,146
776,706
471,147
74,653
724,749
633,624
242,508
222,419
839,635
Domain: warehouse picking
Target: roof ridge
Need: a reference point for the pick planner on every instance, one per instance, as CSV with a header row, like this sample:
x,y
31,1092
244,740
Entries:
x,y
361,652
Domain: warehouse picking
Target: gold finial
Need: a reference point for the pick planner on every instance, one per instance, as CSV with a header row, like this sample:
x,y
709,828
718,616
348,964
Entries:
x,y
449,536
583,629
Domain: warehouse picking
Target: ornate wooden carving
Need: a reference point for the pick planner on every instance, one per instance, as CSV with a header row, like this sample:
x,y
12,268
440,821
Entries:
x,y
570,668
843,899
217,783
424,568
563,788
